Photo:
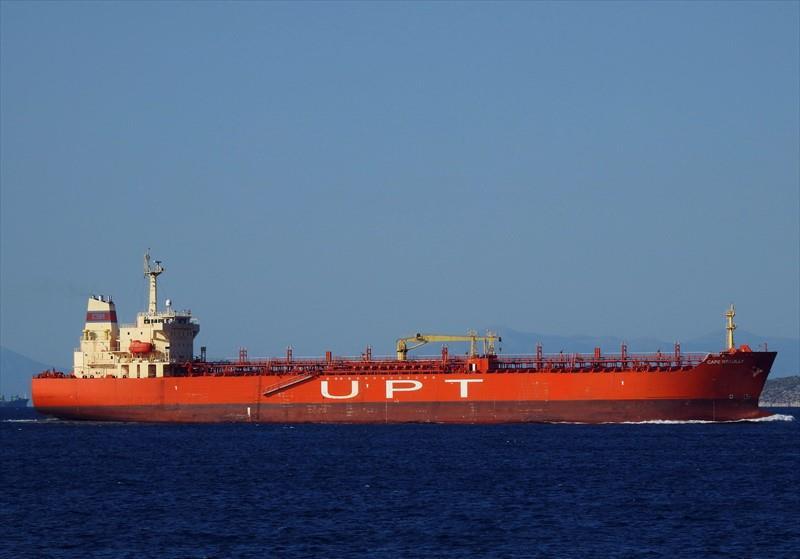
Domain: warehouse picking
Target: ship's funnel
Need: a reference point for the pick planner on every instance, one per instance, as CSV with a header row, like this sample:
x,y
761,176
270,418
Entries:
x,y
100,310
101,322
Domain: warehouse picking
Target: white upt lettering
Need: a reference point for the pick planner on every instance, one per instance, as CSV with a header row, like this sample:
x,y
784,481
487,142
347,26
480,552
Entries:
x,y
393,386
464,382
323,386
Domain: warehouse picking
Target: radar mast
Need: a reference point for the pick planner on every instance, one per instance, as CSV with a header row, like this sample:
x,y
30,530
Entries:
x,y
152,273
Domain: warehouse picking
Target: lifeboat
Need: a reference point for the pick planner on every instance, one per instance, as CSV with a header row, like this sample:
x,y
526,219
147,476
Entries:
x,y
138,348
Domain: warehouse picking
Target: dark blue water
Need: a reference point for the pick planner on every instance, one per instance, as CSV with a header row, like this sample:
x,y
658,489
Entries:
x,y
191,491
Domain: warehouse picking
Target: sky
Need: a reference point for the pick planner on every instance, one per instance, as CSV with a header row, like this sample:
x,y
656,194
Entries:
x,y
331,175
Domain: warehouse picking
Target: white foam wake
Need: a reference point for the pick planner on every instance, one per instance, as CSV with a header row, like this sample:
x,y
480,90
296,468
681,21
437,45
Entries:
x,y
773,417
35,420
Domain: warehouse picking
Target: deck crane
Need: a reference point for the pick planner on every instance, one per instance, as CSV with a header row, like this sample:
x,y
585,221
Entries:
x,y
472,337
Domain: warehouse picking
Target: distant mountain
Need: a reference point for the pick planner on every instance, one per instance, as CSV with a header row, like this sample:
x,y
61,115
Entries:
x,y
781,392
16,371
787,363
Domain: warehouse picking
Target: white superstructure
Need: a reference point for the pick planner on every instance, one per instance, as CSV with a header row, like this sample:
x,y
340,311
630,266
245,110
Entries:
x,y
142,350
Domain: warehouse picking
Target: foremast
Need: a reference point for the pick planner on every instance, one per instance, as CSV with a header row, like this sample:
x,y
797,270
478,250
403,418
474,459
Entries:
x,y
729,328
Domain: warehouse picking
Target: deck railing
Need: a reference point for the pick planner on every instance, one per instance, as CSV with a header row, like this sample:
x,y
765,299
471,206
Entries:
x,y
560,362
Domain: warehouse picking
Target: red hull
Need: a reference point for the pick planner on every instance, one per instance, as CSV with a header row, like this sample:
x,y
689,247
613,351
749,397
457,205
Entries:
x,y
723,387
602,411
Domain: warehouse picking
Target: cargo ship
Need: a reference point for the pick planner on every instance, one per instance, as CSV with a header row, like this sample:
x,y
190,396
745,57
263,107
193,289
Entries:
x,y
148,372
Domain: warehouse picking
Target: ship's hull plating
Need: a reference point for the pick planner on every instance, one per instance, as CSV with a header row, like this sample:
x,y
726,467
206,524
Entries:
x,y
725,388
588,411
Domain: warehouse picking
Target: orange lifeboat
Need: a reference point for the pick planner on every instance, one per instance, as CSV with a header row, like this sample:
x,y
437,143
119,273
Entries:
x,y
138,348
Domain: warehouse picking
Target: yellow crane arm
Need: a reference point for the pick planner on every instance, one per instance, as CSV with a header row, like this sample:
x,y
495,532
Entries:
x,y
421,339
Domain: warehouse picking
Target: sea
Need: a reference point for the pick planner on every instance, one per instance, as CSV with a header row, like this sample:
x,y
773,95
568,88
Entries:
x,y
661,489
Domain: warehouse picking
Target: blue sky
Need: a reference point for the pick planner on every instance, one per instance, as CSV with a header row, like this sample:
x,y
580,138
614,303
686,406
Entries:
x,y
331,175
